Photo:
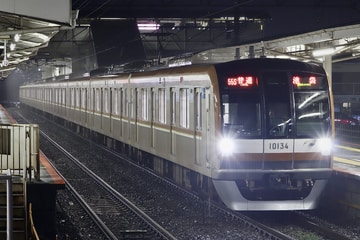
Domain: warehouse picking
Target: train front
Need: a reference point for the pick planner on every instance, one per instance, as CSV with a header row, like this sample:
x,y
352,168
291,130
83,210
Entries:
x,y
276,135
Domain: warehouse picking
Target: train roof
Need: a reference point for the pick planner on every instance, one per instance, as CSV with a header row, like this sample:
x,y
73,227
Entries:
x,y
250,64
268,64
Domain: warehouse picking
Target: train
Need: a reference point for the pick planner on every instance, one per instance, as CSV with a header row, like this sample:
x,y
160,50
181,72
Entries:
x,y
253,133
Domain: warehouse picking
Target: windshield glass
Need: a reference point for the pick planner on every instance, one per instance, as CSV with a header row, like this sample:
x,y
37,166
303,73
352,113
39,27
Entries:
x,y
241,114
312,114
277,107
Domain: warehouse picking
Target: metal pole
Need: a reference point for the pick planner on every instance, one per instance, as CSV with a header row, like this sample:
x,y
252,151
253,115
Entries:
x,y
9,207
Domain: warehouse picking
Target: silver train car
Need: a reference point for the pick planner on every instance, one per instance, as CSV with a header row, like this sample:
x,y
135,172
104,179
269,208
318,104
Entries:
x,y
256,133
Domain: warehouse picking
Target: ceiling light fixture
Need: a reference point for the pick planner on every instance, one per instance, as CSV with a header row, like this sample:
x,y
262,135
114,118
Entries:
x,y
148,26
17,37
323,52
12,46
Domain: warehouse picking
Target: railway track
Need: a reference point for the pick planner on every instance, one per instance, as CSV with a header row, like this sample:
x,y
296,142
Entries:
x,y
303,225
112,198
113,213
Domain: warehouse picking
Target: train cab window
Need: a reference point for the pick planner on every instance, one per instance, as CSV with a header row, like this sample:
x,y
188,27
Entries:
x,y
312,114
241,115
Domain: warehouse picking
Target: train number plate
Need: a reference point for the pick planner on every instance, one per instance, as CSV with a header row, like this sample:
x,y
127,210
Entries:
x,y
278,145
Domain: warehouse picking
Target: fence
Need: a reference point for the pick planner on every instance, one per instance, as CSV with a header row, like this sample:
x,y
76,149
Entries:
x,y
19,150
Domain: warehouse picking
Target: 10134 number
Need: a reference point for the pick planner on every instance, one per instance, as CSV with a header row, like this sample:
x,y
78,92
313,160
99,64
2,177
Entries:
x,y
278,145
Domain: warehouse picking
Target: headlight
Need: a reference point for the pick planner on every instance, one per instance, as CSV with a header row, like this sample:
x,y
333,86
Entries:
x,y
325,146
226,146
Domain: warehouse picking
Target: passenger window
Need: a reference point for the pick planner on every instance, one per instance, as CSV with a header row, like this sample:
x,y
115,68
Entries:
x,y
162,105
184,107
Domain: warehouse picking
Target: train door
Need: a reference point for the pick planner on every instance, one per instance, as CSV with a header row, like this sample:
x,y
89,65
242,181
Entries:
x,y
206,120
279,143
106,110
198,125
152,117
63,101
136,114
110,109
121,109
102,102
83,105
77,104
172,121
94,106
51,100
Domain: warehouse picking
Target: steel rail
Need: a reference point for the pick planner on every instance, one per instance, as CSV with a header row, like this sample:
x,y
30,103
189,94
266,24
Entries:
x,y
162,232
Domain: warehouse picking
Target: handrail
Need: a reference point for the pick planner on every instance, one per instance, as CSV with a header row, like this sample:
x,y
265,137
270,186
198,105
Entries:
x,y
9,204
34,233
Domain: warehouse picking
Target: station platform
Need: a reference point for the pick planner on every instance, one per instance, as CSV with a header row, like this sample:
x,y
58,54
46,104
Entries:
x,y
42,187
347,159
341,197
48,174
5,117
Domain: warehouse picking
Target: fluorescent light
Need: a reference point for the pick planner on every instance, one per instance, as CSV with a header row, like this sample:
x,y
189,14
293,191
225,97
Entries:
x,y
148,26
323,52
16,37
12,46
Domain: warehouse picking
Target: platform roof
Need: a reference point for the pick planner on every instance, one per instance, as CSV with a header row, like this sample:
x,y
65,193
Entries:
x,y
218,28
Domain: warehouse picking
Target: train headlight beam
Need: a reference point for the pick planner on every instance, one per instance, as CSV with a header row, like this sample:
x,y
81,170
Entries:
x,y
226,146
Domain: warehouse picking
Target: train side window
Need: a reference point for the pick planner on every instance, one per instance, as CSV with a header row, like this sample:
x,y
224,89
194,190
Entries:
x,y
56,100
184,107
132,103
78,97
153,105
72,97
97,100
173,106
121,101
162,105
136,104
198,109
63,93
114,101
83,98
144,104
106,100
125,102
